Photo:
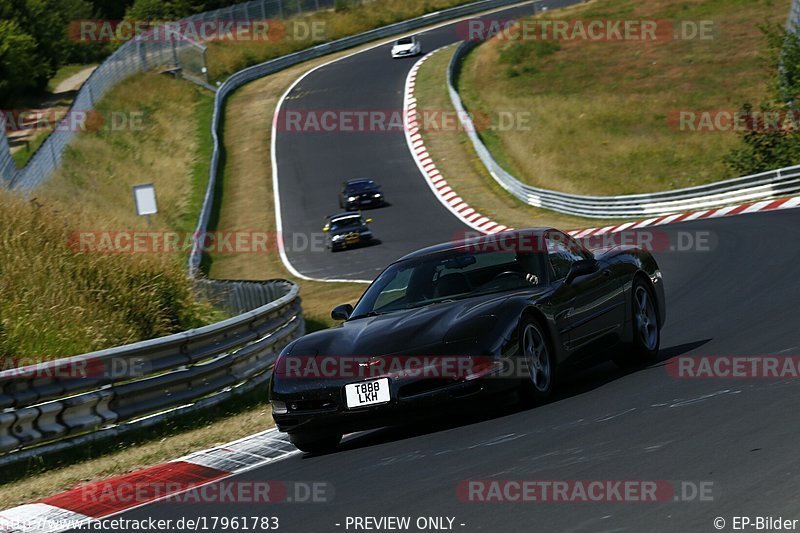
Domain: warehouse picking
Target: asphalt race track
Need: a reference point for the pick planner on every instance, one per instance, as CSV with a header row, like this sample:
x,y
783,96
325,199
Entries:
x,y
738,298
312,165
733,292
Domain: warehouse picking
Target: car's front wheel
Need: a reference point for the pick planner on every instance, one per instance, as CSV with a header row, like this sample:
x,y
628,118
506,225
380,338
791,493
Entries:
x,y
538,359
316,442
646,331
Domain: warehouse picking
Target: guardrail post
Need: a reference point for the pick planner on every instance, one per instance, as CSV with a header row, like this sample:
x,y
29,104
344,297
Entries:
x,y
7,440
79,412
23,425
48,423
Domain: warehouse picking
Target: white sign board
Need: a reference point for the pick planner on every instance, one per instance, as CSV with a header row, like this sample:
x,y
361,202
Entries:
x,y
145,198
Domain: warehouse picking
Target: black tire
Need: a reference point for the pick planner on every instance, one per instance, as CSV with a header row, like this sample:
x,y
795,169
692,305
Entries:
x,y
646,331
316,442
536,360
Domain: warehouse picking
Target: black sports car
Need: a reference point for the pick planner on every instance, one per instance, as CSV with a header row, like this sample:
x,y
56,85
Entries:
x,y
505,311
346,230
360,193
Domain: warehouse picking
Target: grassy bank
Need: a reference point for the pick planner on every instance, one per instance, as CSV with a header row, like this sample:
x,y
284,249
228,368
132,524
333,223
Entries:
x,y
55,302
601,110
297,33
75,299
456,159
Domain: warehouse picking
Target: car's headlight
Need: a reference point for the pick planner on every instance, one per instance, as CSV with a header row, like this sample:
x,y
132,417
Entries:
x,y
377,195
279,408
337,237
351,198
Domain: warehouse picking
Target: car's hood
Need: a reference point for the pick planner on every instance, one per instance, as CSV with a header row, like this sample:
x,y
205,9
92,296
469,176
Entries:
x,y
403,47
345,231
421,331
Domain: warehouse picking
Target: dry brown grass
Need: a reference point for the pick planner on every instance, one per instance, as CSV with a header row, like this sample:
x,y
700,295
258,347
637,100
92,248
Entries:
x,y
55,302
459,164
226,57
600,109
99,168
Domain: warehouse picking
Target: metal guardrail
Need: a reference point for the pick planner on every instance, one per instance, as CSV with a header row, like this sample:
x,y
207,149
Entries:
x,y
772,184
70,401
263,69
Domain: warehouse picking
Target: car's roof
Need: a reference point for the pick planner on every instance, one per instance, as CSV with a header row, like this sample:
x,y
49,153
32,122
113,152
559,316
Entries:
x,y
481,240
340,216
359,181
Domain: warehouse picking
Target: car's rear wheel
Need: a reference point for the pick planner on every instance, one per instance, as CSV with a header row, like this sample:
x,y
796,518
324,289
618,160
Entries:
x,y
646,331
535,352
316,442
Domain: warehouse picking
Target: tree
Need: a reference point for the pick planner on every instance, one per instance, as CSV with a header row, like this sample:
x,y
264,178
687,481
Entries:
x,y
765,147
19,61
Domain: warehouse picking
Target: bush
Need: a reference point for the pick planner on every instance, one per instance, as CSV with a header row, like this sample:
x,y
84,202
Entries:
x,y
765,147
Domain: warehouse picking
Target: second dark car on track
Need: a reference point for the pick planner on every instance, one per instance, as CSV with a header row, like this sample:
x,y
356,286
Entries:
x,y
513,310
360,193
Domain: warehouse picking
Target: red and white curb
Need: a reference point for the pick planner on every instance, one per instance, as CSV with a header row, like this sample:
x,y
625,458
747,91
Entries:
x,y
731,210
81,505
446,195
453,202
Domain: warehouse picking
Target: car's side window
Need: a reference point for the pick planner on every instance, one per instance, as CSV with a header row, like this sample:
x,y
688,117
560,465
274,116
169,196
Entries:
x,y
561,257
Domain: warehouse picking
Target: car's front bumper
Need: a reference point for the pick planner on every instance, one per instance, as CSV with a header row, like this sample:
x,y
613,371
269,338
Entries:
x,y
404,406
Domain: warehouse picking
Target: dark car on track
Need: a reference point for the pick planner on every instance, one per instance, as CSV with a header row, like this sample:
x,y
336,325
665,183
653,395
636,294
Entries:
x,y
347,230
360,193
509,311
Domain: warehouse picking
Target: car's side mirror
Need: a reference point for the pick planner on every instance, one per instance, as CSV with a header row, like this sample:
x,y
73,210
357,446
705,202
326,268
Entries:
x,y
342,312
580,268
326,228
369,220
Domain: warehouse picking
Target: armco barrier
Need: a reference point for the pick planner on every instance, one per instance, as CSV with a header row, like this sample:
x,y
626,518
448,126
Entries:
x,y
772,184
70,401
258,71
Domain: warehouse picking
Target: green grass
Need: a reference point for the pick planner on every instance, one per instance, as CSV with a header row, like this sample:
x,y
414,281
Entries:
x,y
600,110
55,302
24,154
227,57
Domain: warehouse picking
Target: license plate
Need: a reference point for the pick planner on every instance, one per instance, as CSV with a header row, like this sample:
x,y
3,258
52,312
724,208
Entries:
x,y
367,393
352,238
366,201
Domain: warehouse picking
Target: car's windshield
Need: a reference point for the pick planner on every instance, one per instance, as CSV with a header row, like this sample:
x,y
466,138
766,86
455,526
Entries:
x,y
450,276
405,40
361,186
348,222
